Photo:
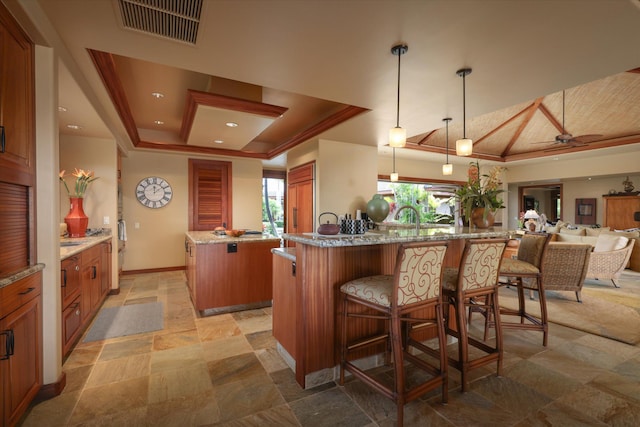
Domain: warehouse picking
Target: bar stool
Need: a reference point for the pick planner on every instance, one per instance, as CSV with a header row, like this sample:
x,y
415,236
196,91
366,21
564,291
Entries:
x,y
412,295
475,280
526,272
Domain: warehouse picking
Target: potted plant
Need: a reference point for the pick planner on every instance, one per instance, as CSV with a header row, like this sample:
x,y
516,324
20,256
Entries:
x,y
480,192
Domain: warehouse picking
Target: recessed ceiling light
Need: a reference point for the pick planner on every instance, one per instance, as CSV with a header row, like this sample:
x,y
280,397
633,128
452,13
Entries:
x,y
157,95
62,109
218,141
232,124
158,122
74,127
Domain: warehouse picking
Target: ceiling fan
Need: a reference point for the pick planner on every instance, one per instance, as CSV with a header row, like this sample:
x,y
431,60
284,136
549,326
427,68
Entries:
x,y
566,138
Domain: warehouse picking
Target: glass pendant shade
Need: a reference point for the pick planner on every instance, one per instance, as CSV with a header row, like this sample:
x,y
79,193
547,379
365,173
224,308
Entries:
x,y
464,147
447,169
394,177
397,137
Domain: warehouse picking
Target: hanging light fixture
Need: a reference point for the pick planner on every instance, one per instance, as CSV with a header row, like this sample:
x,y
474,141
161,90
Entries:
x,y
394,174
398,135
464,146
447,168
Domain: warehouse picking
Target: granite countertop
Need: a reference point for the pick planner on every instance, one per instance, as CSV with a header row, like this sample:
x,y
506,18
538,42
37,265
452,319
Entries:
x,y
209,237
288,253
79,244
14,277
396,236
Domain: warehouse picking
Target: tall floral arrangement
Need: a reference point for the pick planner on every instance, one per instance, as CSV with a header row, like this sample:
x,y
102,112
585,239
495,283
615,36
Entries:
x,y
83,179
481,191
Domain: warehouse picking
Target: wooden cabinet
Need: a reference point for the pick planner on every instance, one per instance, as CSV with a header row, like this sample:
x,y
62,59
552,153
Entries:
x,y
17,148
300,191
70,279
231,275
20,346
90,278
85,283
619,212
284,303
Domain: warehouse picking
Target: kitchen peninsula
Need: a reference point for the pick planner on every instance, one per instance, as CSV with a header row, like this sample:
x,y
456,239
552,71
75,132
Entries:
x,y
227,274
307,280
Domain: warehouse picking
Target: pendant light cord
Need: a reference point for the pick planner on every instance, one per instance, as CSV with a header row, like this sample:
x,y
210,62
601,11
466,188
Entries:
x,y
447,140
563,131
398,103
464,108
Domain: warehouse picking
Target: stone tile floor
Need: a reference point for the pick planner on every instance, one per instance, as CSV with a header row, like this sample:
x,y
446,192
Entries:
x,y
224,370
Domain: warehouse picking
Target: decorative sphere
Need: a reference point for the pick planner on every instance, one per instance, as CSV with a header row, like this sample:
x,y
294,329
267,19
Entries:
x,y
377,208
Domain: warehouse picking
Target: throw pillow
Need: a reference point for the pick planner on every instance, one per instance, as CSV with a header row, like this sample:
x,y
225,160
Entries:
x,y
575,232
595,231
608,243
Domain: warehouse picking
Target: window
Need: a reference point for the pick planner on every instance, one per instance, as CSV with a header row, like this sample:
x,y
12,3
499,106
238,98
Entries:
x,y
273,192
434,201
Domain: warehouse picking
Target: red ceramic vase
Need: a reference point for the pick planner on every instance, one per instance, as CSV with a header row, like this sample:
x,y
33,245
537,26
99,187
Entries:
x,y
76,220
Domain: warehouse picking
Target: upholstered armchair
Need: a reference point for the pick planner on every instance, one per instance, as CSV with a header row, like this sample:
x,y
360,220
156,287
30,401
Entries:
x,y
610,264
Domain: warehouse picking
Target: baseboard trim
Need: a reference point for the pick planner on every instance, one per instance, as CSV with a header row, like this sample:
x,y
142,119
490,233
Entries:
x,y
48,391
153,270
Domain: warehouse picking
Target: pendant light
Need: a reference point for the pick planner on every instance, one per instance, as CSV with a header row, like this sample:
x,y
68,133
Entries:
x,y
464,146
398,135
394,174
447,168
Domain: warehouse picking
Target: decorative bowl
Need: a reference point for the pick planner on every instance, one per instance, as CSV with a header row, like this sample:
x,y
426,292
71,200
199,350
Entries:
x,y
235,233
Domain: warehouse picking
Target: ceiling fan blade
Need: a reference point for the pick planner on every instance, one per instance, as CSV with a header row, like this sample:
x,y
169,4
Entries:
x,y
587,138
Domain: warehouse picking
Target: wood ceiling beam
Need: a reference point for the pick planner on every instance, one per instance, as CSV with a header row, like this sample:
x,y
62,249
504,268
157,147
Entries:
x,y
551,118
106,68
530,111
326,124
423,140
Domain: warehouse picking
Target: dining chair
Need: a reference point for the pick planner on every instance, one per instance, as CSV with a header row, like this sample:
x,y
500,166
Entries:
x,y
411,296
474,282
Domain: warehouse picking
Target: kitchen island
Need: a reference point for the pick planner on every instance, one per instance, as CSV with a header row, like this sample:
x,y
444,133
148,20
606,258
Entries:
x,y
307,284
226,274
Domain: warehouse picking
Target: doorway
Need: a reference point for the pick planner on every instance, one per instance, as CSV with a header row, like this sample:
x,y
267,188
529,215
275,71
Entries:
x,y
543,198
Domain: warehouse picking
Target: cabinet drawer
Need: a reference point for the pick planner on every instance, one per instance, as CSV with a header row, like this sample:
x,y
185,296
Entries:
x,y
70,279
71,324
20,292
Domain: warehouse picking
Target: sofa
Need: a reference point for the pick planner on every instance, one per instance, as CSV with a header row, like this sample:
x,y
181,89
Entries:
x,y
562,233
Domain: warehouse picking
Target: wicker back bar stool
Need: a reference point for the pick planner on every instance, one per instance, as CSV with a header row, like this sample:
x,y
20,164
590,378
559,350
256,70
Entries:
x,y
412,295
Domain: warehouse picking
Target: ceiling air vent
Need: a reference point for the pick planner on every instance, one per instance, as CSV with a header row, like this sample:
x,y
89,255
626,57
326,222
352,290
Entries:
x,y
176,20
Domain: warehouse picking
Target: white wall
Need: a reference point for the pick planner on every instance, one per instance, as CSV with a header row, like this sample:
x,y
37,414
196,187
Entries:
x,y
347,176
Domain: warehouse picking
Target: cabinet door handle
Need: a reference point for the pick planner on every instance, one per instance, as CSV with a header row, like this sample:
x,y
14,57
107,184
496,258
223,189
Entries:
x,y
94,271
295,217
77,268
186,246
2,140
27,291
64,278
8,344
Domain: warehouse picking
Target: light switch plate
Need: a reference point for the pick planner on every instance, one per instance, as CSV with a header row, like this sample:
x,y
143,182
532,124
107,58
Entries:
x,y
105,220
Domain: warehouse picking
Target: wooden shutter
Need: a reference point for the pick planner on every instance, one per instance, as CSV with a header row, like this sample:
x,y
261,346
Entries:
x,y
209,194
14,227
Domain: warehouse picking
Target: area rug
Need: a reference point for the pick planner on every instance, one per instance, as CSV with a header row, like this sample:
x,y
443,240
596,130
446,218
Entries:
x,y
126,320
605,310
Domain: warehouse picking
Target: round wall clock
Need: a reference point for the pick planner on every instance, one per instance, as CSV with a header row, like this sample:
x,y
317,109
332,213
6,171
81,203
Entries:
x,y
154,192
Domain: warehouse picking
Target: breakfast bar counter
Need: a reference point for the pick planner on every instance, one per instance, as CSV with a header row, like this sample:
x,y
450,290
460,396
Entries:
x,y
306,288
